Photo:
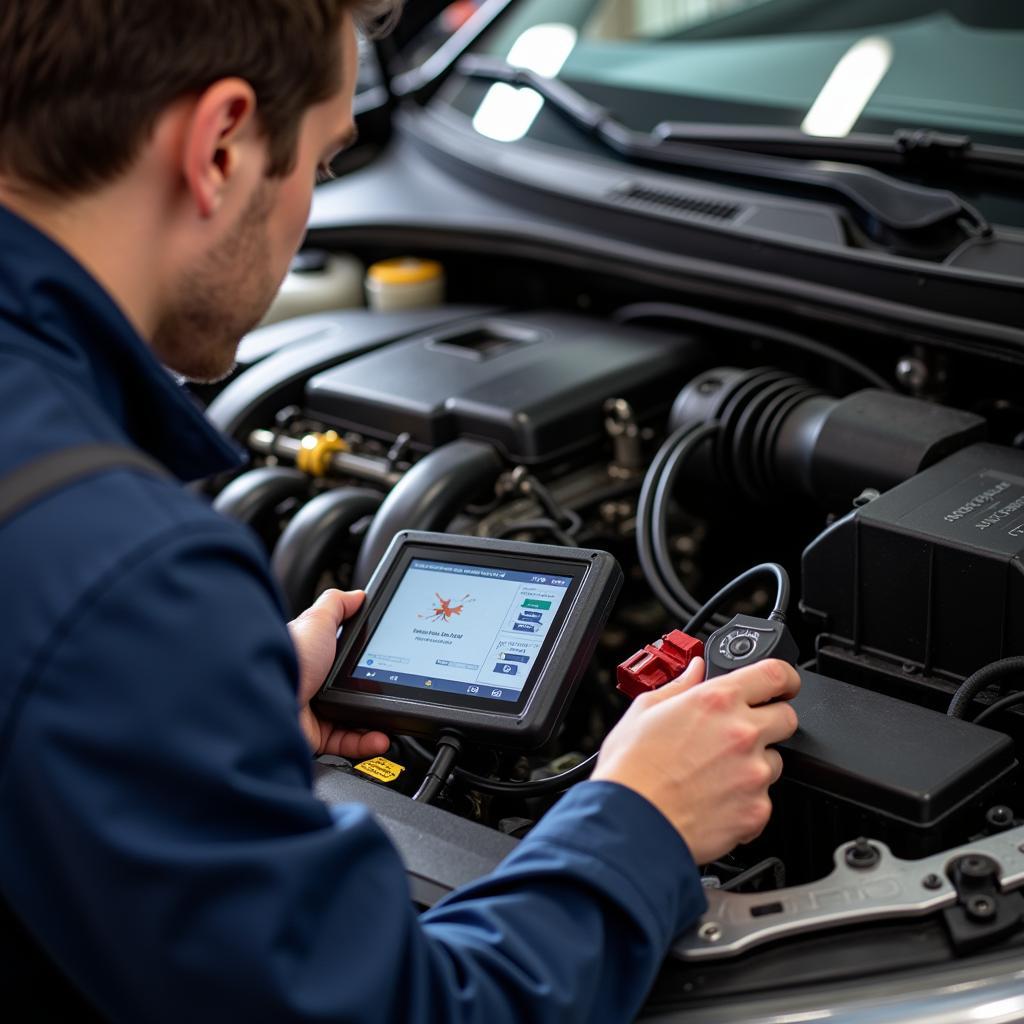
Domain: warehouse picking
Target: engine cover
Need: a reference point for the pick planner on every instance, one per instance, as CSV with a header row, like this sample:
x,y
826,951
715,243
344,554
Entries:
x,y
532,384
929,575
865,763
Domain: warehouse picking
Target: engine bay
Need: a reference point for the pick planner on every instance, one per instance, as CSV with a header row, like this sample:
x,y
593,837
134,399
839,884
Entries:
x,y
691,445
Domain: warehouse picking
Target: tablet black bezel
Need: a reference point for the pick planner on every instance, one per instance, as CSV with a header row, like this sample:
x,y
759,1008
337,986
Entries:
x,y
564,652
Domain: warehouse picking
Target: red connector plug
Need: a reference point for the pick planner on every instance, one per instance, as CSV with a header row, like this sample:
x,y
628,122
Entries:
x,y
658,663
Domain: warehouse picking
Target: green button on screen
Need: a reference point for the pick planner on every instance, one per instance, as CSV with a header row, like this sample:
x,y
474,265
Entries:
x,y
532,603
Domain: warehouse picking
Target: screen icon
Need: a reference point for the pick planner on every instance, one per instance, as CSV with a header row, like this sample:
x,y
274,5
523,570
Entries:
x,y
496,693
530,616
506,669
523,659
524,627
472,689
532,602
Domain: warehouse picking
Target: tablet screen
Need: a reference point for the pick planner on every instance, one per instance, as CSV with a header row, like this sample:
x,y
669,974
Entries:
x,y
462,632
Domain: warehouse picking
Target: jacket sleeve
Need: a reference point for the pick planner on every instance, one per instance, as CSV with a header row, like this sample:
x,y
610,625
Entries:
x,y
166,849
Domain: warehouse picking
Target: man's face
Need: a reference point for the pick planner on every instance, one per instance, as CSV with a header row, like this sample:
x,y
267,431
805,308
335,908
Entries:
x,y
228,290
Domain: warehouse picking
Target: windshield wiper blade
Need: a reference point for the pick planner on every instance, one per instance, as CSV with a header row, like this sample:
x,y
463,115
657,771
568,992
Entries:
x,y
898,206
922,149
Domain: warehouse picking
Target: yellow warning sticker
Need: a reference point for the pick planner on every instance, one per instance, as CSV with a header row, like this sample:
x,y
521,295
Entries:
x,y
381,769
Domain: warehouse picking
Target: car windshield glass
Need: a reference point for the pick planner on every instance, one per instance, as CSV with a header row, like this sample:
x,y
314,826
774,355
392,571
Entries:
x,y
826,67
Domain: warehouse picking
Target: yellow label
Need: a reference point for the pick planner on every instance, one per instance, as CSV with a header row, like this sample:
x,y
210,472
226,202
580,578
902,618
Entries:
x,y
381,769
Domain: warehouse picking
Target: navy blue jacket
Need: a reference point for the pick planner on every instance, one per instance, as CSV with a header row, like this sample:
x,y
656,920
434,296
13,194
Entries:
x,y
161,852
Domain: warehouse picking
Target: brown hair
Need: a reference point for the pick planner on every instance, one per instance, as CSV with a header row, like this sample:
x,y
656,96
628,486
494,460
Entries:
x,y
82,82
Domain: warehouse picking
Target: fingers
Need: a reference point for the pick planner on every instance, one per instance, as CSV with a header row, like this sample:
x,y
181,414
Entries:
x,y
774,759
693,675
356,745
372,744
765,681
777,722
339,605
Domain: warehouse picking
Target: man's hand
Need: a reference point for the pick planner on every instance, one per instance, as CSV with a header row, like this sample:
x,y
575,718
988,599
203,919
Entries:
x,y
699,753
314,634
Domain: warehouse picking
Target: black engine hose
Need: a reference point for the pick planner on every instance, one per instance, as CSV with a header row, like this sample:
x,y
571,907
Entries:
x,y
428,497
315,537
251,495
977,682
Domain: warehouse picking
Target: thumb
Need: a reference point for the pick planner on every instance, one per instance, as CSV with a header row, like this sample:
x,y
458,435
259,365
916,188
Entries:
x,y
335,605
693,674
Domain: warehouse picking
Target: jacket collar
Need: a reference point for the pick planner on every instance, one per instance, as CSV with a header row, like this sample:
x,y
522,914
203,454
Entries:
x,y
84,334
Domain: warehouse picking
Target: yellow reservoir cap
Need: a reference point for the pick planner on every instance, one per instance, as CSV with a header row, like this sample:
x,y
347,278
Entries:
x,y
405,270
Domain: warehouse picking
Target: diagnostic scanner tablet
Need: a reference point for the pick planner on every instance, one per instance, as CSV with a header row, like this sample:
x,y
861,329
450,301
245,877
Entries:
x,y
485,638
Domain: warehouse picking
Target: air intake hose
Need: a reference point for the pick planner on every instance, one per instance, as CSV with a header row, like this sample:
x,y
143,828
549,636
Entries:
x,y
778,432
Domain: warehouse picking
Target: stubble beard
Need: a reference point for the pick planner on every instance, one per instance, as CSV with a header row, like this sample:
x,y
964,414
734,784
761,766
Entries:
x,y
220,299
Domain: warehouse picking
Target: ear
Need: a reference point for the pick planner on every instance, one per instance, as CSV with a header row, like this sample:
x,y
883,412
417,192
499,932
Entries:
x,y
223,121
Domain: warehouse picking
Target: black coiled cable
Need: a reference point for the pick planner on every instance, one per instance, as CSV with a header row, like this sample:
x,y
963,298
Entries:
x,y
652,517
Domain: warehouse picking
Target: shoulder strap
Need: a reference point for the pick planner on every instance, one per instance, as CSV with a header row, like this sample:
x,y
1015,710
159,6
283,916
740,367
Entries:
x,y
42,476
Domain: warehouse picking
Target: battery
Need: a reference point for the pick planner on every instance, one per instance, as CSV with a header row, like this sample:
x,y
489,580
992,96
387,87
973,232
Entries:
x,y
866,763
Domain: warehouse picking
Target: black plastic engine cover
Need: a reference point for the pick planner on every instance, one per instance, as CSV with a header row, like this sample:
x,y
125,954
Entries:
x,y
865,763
532,384
910,764
930,573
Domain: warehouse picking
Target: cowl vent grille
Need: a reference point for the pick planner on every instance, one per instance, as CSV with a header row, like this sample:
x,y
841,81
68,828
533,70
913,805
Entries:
x,y
681,203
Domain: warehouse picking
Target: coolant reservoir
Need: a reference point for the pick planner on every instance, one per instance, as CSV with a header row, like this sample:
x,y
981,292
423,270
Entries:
x,y
317,281
404,283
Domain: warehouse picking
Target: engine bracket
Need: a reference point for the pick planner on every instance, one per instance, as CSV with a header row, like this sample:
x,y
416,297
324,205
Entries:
x,y
887,889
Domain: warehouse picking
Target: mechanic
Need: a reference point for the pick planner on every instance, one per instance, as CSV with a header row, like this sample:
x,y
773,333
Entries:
x,y
163,855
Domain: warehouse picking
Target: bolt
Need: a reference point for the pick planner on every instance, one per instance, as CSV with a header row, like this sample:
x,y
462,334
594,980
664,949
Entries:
x,y
932,882
1000,816
913,374
974,871
862,855
980,908
710,932
976,865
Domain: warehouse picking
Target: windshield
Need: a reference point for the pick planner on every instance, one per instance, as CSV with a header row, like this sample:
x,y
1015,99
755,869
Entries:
x,y
827,67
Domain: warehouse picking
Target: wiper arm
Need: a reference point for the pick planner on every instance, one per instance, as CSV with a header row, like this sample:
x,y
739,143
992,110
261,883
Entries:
x,y
916,148
881,200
